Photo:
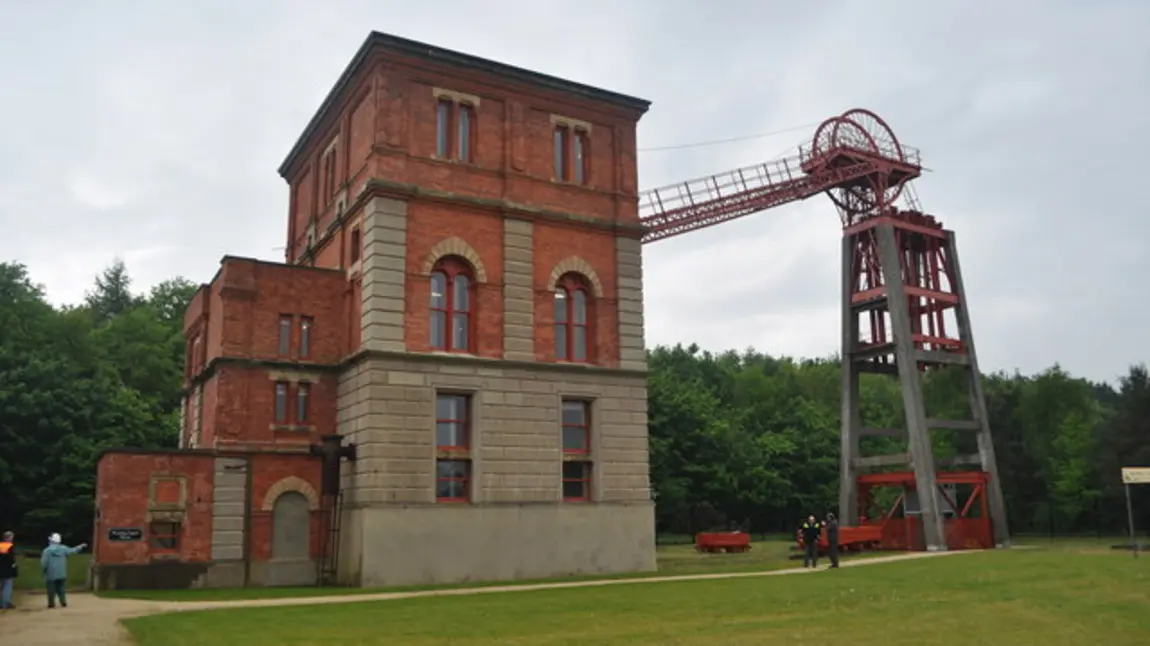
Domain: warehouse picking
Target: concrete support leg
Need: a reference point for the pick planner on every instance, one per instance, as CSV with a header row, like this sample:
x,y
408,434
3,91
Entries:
x,y
921,453
851,416
978,401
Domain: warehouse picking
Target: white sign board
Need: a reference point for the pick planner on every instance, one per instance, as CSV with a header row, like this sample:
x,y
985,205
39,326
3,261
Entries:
x,y
1135,475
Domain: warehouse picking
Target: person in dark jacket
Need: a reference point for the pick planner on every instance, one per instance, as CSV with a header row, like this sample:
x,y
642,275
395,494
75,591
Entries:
x,y
833,539
810,529
8,569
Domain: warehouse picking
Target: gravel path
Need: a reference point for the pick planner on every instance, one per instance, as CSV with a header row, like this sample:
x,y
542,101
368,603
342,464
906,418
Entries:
x,y
94,621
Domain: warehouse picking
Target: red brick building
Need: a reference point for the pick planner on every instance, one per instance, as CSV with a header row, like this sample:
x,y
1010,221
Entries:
x,y
461,303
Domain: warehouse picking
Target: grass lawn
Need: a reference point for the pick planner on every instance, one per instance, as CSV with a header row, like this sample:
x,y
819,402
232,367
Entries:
x,y
672,560
30,577
1043,596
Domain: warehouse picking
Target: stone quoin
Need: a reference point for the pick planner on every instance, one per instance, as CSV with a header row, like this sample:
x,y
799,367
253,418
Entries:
x,y
459,315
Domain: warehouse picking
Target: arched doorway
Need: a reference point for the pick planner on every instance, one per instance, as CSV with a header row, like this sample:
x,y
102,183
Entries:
x,y
291,562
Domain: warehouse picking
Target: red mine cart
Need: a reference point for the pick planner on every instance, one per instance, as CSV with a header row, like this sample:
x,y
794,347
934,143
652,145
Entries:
x,y
722,542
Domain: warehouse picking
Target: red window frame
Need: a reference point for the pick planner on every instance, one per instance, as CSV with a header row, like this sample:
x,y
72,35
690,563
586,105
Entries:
x,y
458,452
565,293
464,401
569,167
451,269
455,128
583,477
464,480
571,428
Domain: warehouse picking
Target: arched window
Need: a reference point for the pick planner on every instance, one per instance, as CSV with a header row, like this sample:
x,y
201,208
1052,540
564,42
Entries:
x,y
451,305
572,333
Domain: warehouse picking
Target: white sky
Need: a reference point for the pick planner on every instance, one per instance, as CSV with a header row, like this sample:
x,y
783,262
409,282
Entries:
x,y
152,131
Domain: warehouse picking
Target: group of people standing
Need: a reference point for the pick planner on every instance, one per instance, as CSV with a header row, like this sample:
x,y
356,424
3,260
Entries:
x,y
811,530
53,565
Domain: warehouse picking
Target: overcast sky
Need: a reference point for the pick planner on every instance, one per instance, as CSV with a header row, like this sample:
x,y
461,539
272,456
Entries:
x,y
152,131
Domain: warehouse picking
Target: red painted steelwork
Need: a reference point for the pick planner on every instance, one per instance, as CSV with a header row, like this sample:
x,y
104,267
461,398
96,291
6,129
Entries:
x,y
722,542
968,527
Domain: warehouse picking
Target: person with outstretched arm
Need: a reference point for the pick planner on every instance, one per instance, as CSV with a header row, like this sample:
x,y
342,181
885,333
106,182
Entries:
x,y
54,565
811,528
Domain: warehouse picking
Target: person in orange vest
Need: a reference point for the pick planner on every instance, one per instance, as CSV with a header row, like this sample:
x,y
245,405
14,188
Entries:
x,y
8,570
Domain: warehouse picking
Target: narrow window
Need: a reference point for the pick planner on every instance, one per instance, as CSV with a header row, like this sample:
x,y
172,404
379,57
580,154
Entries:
x,y
451,422
576,425
302,402
576,428
443,129
451,306
466,128
579,155
560,143
331,178
285,335
305,327
356,244
281,405
572,319
453,441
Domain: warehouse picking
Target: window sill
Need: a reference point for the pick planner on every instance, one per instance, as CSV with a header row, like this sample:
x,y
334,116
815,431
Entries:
x,y
452,453
292,428
577,457
457,162
452,501
166,555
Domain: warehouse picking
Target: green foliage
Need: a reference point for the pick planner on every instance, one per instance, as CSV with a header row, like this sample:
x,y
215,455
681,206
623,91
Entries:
x,y
735,438
75,381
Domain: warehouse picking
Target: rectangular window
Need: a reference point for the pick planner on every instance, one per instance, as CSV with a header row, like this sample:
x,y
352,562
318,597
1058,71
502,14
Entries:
x,y
451,422
453,442
285,335
281,404
443,128
576,428
305,326
165,537
576,481
466,125
572,155
453,480
576,449
560,144
329,173
302,402
356,243
579,157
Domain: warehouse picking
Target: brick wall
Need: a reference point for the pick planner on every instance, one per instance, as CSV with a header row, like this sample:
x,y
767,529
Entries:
x,y
123,485
125,481
268,472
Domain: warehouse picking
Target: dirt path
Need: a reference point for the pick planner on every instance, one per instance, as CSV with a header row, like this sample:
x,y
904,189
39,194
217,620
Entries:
x,y
91,620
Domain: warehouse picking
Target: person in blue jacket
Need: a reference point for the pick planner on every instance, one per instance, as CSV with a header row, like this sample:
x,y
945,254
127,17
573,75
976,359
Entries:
x,y
54,564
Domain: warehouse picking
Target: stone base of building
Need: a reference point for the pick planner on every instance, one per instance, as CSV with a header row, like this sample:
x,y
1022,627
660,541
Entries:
x,y
177,575
444,544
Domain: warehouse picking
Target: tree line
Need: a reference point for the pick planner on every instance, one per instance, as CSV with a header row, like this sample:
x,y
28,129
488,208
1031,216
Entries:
x,y
736,437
